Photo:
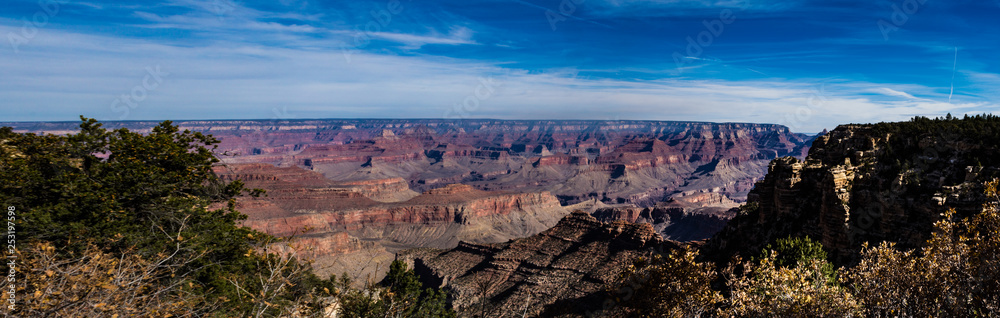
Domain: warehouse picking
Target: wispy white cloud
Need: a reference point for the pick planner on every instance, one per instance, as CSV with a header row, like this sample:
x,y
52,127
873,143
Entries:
x,y
681,3
891,92
611,8
982,81
222,81
242,20
88,4
456,36
244,63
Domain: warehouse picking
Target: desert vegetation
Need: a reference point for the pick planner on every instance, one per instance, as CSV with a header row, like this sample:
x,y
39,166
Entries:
x,y
953,275
123,224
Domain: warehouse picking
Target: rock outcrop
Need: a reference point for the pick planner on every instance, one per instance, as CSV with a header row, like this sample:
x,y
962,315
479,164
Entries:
x,y
561,271
868,183
631,162
685,217
468,215
346,225
360,190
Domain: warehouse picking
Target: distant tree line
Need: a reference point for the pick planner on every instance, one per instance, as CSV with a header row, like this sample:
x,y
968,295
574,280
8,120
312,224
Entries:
x,y
921,141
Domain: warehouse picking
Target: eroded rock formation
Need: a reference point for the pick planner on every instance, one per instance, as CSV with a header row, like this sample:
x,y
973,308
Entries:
x,y
617,162
335,221
357,191
562,270
867,183
684,217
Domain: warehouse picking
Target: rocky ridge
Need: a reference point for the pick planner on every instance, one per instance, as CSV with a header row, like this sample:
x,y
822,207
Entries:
x,y
560,271
867,183
631,162
685,217
342,223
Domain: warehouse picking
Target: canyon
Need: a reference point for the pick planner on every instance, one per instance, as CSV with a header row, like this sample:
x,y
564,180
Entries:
x,y
357,227
532,240
355,193
859,184
615,162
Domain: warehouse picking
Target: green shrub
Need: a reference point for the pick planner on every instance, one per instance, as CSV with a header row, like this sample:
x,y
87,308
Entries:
x,y
153,199
793,251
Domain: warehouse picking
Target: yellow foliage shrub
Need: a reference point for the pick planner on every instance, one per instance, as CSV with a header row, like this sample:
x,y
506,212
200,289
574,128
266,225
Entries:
x,y
955,275
95,284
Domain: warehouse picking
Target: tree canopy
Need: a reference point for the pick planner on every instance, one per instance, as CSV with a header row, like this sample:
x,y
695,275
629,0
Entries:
x,y
116,222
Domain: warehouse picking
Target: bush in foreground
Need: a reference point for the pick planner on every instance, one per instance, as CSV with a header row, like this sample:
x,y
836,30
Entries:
x,y
117,223
954,275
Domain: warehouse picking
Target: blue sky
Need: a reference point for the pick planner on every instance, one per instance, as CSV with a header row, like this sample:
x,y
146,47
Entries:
x,y
806,64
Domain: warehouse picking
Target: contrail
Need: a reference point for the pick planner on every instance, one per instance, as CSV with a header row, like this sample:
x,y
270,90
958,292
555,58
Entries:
x,y
953,67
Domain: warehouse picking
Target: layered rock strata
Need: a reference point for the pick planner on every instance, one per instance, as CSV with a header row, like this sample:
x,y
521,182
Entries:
x,y
337,221
617,162
561,271
866,183
686,217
